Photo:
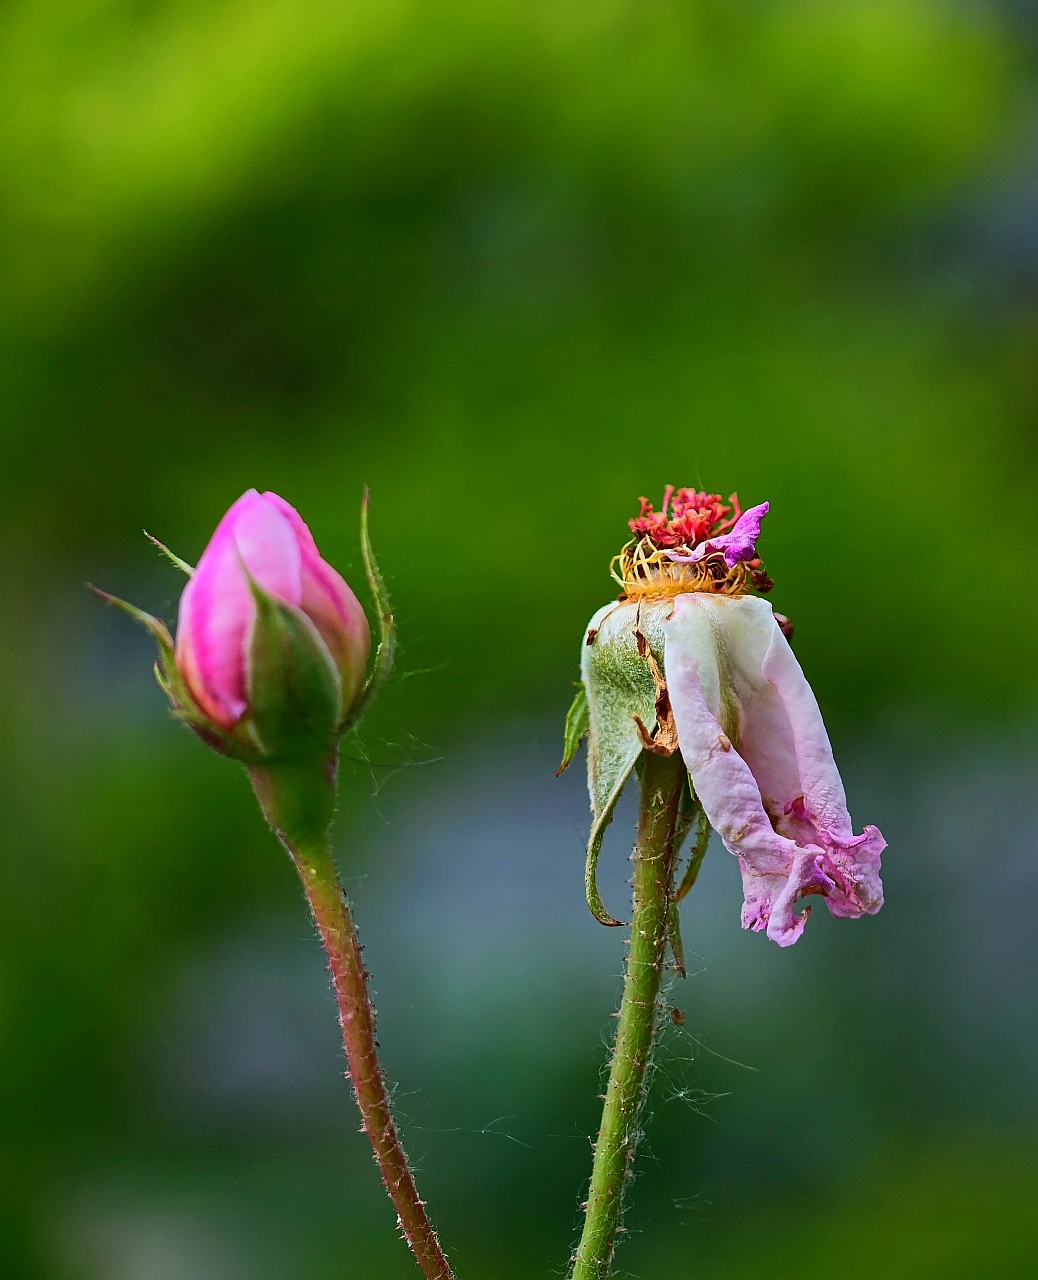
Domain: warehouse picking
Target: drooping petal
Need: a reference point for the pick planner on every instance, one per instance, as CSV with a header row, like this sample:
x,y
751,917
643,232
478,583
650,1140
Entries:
x,y
730,796
329,603
740,543
853,861
755,745
217,607
822,787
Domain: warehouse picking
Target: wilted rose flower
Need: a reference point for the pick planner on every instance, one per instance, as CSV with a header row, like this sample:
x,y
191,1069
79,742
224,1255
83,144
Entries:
x,y
271,643
688,660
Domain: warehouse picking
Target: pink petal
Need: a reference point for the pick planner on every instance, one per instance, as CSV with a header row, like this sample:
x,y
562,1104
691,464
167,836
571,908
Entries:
x,y
820,781
217,609
729,794
767,781
305,539
854,864
329,603
740,543
824,801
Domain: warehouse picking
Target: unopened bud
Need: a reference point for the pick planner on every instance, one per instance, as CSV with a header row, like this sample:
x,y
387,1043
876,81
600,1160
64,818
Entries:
x,y
271,643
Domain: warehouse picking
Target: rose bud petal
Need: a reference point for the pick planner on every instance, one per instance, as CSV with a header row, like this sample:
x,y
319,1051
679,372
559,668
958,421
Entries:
x,y
217,606
263,552
330,604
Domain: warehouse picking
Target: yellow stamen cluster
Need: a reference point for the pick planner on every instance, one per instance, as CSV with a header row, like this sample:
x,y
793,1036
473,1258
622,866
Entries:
x,y
644,571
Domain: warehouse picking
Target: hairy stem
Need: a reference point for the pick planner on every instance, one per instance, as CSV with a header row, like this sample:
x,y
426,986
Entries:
x,y
661,784
357,1018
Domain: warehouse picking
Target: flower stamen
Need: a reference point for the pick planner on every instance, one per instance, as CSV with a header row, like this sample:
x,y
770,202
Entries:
x,y
658,562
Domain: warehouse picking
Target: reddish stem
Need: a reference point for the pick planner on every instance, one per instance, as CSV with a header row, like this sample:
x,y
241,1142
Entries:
x,y
357,1019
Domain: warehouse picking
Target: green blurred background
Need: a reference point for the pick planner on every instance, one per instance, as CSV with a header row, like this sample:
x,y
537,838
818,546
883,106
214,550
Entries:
x,y
514,265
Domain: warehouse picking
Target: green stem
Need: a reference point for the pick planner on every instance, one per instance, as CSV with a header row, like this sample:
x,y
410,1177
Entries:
x,y
662,780
298,803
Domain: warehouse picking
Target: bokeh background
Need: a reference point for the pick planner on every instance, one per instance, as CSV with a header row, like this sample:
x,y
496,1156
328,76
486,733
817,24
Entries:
x,y
514,265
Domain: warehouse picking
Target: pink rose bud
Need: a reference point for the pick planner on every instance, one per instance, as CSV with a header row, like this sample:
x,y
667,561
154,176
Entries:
x,y
269,661
262,542
271,643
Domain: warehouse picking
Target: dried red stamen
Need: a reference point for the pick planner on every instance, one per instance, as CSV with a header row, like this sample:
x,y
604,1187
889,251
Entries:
x,y
686,518
659,562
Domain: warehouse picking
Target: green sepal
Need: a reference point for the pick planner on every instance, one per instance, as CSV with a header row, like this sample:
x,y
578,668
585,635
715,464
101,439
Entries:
x,y
171,682
577,721
166,672
385,650
172,556
155,625
295,690
674,938
594,899
161,680
690,814
695,858
688,808
619,687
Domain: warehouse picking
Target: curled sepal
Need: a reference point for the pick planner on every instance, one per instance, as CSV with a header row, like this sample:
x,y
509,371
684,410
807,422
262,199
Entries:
x,y
576,728
385,651
295,690
696,856
621,692
155,625
170,681
690,814
688,809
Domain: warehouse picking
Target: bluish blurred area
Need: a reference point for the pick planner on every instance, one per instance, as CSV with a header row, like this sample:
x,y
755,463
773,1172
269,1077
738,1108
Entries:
x,y
514,267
